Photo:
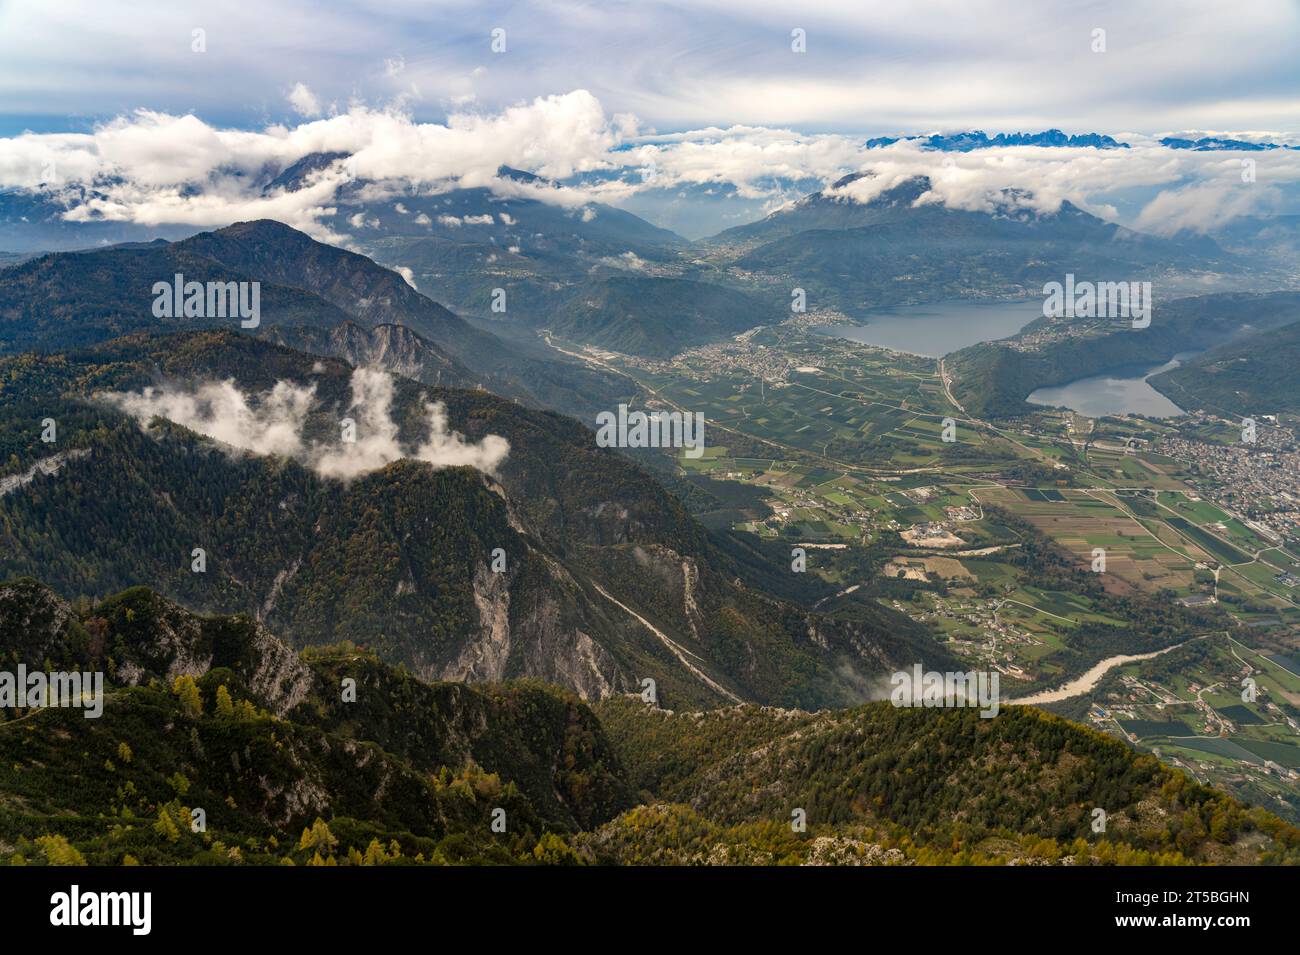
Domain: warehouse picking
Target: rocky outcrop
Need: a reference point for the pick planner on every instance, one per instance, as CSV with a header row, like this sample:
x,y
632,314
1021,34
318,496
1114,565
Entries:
x,y
137,636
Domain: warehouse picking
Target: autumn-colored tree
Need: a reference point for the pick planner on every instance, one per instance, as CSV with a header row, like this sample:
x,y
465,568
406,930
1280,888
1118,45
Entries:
x,y
187,691
166,826
59,851
375,854
552,850
318,837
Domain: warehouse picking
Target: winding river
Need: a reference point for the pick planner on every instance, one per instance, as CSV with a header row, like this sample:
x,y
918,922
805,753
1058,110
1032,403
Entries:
x,y
1090,678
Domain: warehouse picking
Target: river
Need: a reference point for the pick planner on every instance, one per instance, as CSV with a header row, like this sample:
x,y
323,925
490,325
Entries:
x,y
1082,684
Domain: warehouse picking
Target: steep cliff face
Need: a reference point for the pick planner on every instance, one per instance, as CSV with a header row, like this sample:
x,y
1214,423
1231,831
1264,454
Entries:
x,y
353,283
541,636
38,625
393,347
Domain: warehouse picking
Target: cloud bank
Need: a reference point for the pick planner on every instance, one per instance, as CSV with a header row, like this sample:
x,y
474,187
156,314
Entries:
x,y
273,425
155,169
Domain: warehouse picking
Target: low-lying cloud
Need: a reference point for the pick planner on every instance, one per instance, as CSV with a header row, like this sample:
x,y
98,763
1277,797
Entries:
x,y
273,424
152,169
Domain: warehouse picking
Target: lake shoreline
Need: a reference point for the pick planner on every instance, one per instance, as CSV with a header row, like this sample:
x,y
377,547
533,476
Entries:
x,y
952,325
1113,392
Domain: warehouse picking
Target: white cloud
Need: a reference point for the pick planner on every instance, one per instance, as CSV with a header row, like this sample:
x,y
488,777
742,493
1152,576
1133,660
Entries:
x,y
304,101
152,168
219,410
628,261
273,425
1203,207
868,66
762,163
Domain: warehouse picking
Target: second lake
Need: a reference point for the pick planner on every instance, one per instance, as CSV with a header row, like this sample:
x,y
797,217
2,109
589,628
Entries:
x,y
1118,392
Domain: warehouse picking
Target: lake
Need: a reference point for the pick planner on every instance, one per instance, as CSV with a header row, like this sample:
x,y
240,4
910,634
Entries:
x,y
1118,392
935,330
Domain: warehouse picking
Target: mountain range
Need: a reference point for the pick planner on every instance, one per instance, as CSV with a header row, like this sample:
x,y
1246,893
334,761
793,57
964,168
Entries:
x,y
977,139
526,254
900,247
67,300
1220,144
358,649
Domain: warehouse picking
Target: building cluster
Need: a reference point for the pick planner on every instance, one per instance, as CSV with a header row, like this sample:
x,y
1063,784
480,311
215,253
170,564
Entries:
x,y
1259,480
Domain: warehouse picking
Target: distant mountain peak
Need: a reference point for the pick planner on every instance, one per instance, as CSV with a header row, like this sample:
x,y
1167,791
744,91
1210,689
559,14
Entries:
x,y
852,177
519,175
267,228
902,193
978,139
291,177
1218,144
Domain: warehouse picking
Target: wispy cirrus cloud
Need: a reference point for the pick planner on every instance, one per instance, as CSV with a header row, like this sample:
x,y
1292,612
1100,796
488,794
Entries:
x,y
876,67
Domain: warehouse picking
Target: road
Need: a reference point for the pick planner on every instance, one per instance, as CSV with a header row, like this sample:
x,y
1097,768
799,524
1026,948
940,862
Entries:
x,y
675,648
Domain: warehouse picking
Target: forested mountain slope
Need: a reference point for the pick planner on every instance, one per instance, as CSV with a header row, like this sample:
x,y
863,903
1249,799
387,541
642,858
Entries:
x,y
606,581
218,745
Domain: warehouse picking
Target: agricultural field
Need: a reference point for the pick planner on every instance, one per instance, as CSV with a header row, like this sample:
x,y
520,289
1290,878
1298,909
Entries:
x,y
840,447
1197,710
1084,521
853,432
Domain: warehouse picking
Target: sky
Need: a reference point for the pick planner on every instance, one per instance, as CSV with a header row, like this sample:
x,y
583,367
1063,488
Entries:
x,y
755,100
869,66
